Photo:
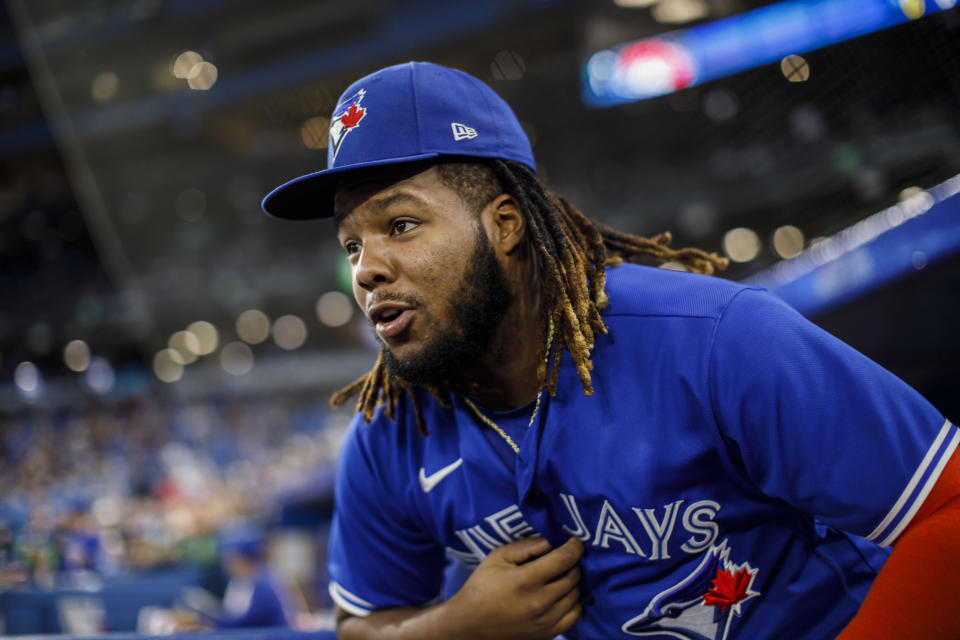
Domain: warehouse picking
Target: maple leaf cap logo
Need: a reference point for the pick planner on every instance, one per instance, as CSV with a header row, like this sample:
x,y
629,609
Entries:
x,y
353,116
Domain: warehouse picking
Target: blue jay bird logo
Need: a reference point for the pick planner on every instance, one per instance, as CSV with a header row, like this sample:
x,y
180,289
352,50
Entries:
x,y
702,605
346,116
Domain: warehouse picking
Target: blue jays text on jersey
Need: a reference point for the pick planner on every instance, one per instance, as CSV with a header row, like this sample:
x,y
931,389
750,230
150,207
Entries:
x,y
733,476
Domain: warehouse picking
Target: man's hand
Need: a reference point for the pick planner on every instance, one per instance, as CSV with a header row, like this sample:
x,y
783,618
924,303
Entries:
x,y
523,590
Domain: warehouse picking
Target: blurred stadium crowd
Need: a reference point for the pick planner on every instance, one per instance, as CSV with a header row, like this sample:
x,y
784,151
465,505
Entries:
x,y
91,493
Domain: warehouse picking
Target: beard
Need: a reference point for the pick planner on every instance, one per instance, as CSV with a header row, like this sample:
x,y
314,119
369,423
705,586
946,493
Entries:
x,y
484,299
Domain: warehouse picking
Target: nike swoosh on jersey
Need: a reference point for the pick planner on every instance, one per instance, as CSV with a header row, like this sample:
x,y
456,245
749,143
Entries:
x,y
427,483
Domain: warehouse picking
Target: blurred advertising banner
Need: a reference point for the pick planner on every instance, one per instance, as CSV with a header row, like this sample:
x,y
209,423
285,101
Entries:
x,y
686,57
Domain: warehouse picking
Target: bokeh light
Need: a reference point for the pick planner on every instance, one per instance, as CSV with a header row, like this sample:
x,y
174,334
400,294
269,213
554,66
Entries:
x,y
289,332
788,241
236,358
741,244
679,11
186,344
913,9
167,365
253,326
184,63
334,309
104,86
99,376
202,76
315,132
27,377
795,68
207,336
76,355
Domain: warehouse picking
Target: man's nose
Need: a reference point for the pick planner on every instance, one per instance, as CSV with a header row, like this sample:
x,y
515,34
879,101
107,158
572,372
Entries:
x,y
374,266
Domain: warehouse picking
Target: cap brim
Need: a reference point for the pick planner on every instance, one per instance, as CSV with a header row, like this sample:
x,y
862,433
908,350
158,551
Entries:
x,y
310,197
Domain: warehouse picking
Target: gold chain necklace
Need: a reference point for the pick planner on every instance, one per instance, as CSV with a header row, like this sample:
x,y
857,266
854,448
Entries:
x,y
536,407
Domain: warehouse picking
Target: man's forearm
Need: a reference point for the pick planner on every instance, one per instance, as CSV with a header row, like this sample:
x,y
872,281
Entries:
x,y
401,623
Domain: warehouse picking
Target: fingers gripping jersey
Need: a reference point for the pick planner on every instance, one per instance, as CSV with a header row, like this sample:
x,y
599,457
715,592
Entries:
x,y
721,475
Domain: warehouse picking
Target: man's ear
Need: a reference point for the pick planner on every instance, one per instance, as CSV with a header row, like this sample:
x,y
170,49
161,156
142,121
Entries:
x,y
505,223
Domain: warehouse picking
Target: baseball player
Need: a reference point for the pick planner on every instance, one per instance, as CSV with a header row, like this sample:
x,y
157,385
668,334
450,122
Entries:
x,y
615,450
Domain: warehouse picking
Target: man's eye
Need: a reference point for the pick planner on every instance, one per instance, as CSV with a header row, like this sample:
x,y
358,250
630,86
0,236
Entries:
x,y
401,226
351,247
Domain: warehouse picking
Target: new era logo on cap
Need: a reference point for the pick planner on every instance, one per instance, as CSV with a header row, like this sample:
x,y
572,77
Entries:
x,y
462,131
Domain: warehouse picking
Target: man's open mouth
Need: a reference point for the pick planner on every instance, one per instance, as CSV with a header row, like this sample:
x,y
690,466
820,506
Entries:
x,y
391,314
390,319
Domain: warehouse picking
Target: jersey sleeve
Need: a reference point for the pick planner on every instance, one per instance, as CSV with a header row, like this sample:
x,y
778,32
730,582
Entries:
x,y
379,557
812,421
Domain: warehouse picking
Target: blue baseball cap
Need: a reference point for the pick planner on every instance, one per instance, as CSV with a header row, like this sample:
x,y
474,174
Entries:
x,y
243,540
404,113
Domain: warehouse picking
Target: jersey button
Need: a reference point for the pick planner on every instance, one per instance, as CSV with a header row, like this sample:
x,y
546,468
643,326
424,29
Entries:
x,y
534,495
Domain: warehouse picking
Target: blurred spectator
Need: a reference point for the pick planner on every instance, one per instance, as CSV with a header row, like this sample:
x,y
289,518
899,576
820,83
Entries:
x,y
254,596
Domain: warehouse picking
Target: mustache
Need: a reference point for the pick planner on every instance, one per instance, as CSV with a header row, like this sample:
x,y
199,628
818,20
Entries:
x,y
390,296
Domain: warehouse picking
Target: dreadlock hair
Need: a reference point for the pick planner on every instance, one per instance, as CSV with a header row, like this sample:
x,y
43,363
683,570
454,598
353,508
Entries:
x,y
571,252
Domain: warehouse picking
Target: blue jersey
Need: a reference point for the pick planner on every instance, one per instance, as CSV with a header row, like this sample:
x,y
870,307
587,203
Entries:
x,y
736,474
257,601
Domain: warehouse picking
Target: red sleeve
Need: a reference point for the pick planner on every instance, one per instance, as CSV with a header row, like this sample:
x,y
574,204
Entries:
x,y
915,594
